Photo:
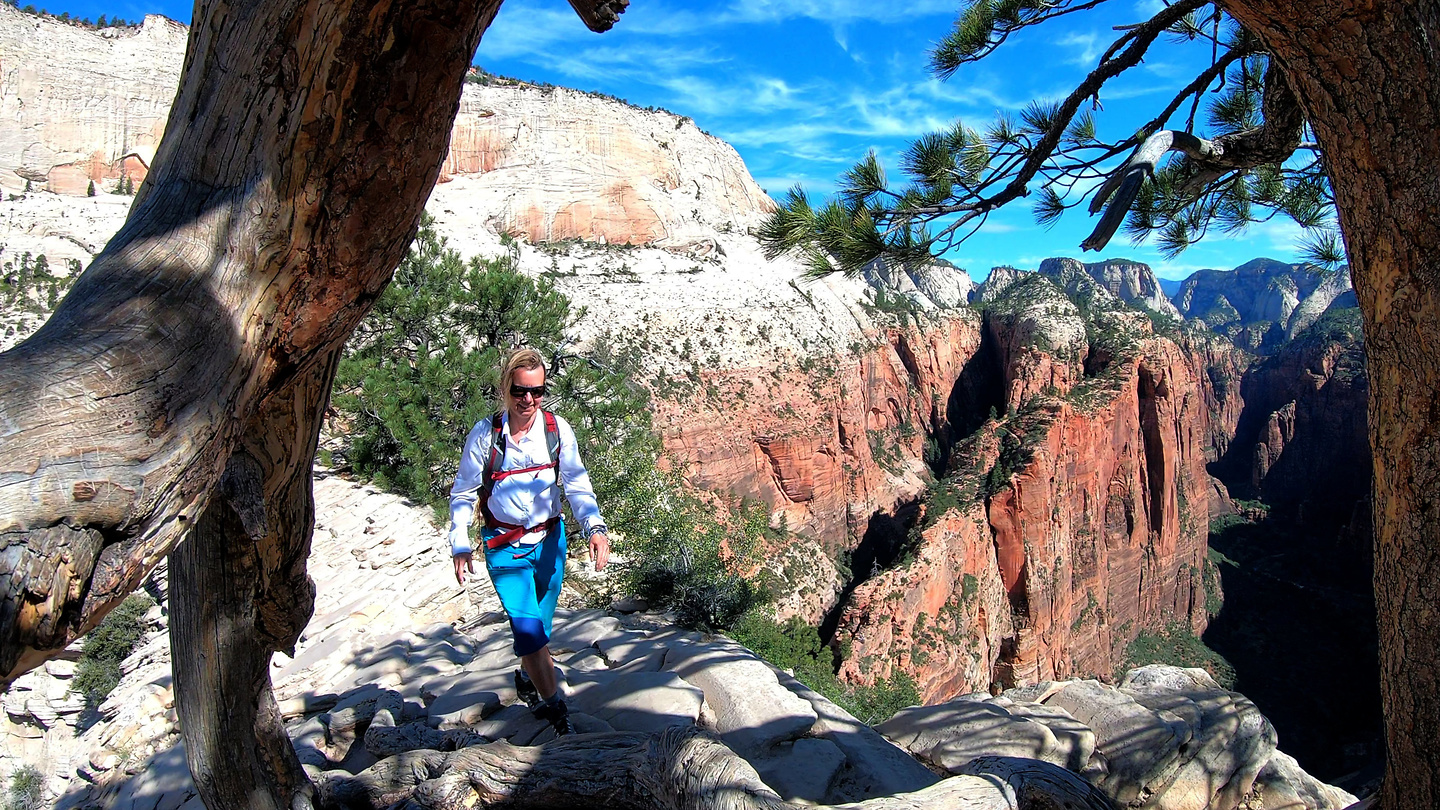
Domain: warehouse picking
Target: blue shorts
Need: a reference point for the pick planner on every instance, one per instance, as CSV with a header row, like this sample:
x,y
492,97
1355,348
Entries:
x,y
527,580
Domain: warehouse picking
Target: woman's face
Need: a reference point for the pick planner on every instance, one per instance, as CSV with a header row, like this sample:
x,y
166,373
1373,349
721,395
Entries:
x,y
525,407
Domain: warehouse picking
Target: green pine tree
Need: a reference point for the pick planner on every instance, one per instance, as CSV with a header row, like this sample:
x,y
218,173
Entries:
x,y
28,187
90,189
101,23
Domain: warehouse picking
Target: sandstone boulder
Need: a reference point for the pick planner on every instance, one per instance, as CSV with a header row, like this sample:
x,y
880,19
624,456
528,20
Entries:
x,y
951,734
753,711
1283,785
640,701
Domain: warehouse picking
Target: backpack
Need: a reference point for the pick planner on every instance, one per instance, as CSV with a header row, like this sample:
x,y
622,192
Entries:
x,y
493,473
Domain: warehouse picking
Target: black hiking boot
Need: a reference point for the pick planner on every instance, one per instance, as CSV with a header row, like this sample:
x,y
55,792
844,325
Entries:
x,y
557,714
525,690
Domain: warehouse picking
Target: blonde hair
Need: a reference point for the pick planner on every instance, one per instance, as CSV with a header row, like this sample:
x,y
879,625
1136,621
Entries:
x,y
523,357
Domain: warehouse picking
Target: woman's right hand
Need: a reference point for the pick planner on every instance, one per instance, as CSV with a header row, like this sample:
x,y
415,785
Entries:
x,y
463,562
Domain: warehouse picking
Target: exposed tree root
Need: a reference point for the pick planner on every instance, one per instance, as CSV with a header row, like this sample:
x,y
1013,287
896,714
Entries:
x,y
681,768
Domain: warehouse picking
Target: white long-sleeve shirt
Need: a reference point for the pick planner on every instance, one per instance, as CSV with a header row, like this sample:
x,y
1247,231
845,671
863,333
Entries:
x,y
526,499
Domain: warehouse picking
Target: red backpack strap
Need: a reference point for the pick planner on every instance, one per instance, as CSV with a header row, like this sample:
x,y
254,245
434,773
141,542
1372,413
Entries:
x,y
552,442
492,465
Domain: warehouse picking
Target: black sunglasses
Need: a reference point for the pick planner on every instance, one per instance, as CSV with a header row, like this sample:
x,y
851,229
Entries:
x,y
519,391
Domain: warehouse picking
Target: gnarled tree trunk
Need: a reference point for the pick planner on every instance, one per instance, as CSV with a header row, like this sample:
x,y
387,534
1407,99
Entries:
x,y
238,593
301,147
1368,77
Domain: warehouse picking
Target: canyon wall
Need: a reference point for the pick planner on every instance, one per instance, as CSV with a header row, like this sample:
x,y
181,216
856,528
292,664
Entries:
x,y
833,445
1064,525
1303,442
551,164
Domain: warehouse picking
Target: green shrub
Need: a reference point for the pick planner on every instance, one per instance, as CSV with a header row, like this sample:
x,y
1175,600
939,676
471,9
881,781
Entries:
x,y
1178,646
27,790
107,646
796,646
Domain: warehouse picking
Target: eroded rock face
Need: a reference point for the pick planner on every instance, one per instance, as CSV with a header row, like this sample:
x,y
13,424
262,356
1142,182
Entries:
x,y
827,443
82,105
1303,442
1131,282
1165,738
1222,367
553,164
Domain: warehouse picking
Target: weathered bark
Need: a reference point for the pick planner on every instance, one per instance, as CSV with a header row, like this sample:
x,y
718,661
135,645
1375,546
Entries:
x,y
1368,77
238,593
300,148
680,768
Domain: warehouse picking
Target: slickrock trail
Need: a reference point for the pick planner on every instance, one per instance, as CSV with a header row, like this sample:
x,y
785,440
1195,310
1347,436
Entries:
x,y
398,657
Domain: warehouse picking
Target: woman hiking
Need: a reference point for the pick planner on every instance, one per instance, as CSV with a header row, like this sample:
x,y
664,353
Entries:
x,y
513,467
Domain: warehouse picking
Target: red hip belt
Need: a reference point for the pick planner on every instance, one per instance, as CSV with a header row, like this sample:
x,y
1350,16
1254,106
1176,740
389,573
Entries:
x,y
514,531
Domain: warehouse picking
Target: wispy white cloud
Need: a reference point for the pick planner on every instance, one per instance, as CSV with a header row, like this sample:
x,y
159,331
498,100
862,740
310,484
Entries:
x,y
1178,271
1279,234
524,24
992,227
1081,49
524,29
1167,70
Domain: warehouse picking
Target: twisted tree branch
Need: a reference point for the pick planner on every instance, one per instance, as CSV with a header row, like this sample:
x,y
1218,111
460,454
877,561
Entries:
x,y
681,768
1272,142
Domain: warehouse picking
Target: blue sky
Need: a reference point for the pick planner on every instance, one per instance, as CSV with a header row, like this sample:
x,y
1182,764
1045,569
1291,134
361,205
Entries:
x,y
803,88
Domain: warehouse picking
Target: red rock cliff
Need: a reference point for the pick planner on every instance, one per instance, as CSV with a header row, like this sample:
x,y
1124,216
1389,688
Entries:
x,y
1059,533
827,443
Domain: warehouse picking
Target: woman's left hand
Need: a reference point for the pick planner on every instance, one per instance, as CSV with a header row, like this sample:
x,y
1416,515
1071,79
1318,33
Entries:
x,y
600,549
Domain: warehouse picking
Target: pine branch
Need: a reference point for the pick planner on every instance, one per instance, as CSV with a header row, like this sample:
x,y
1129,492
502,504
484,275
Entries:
x,y
1272,142
984,25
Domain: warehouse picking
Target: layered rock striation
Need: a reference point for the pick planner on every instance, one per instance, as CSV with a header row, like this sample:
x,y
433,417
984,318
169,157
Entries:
x,y
551,164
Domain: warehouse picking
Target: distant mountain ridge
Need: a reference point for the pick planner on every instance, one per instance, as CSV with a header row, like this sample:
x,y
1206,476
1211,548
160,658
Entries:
x,y
1263,302
1259,305
1131,281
